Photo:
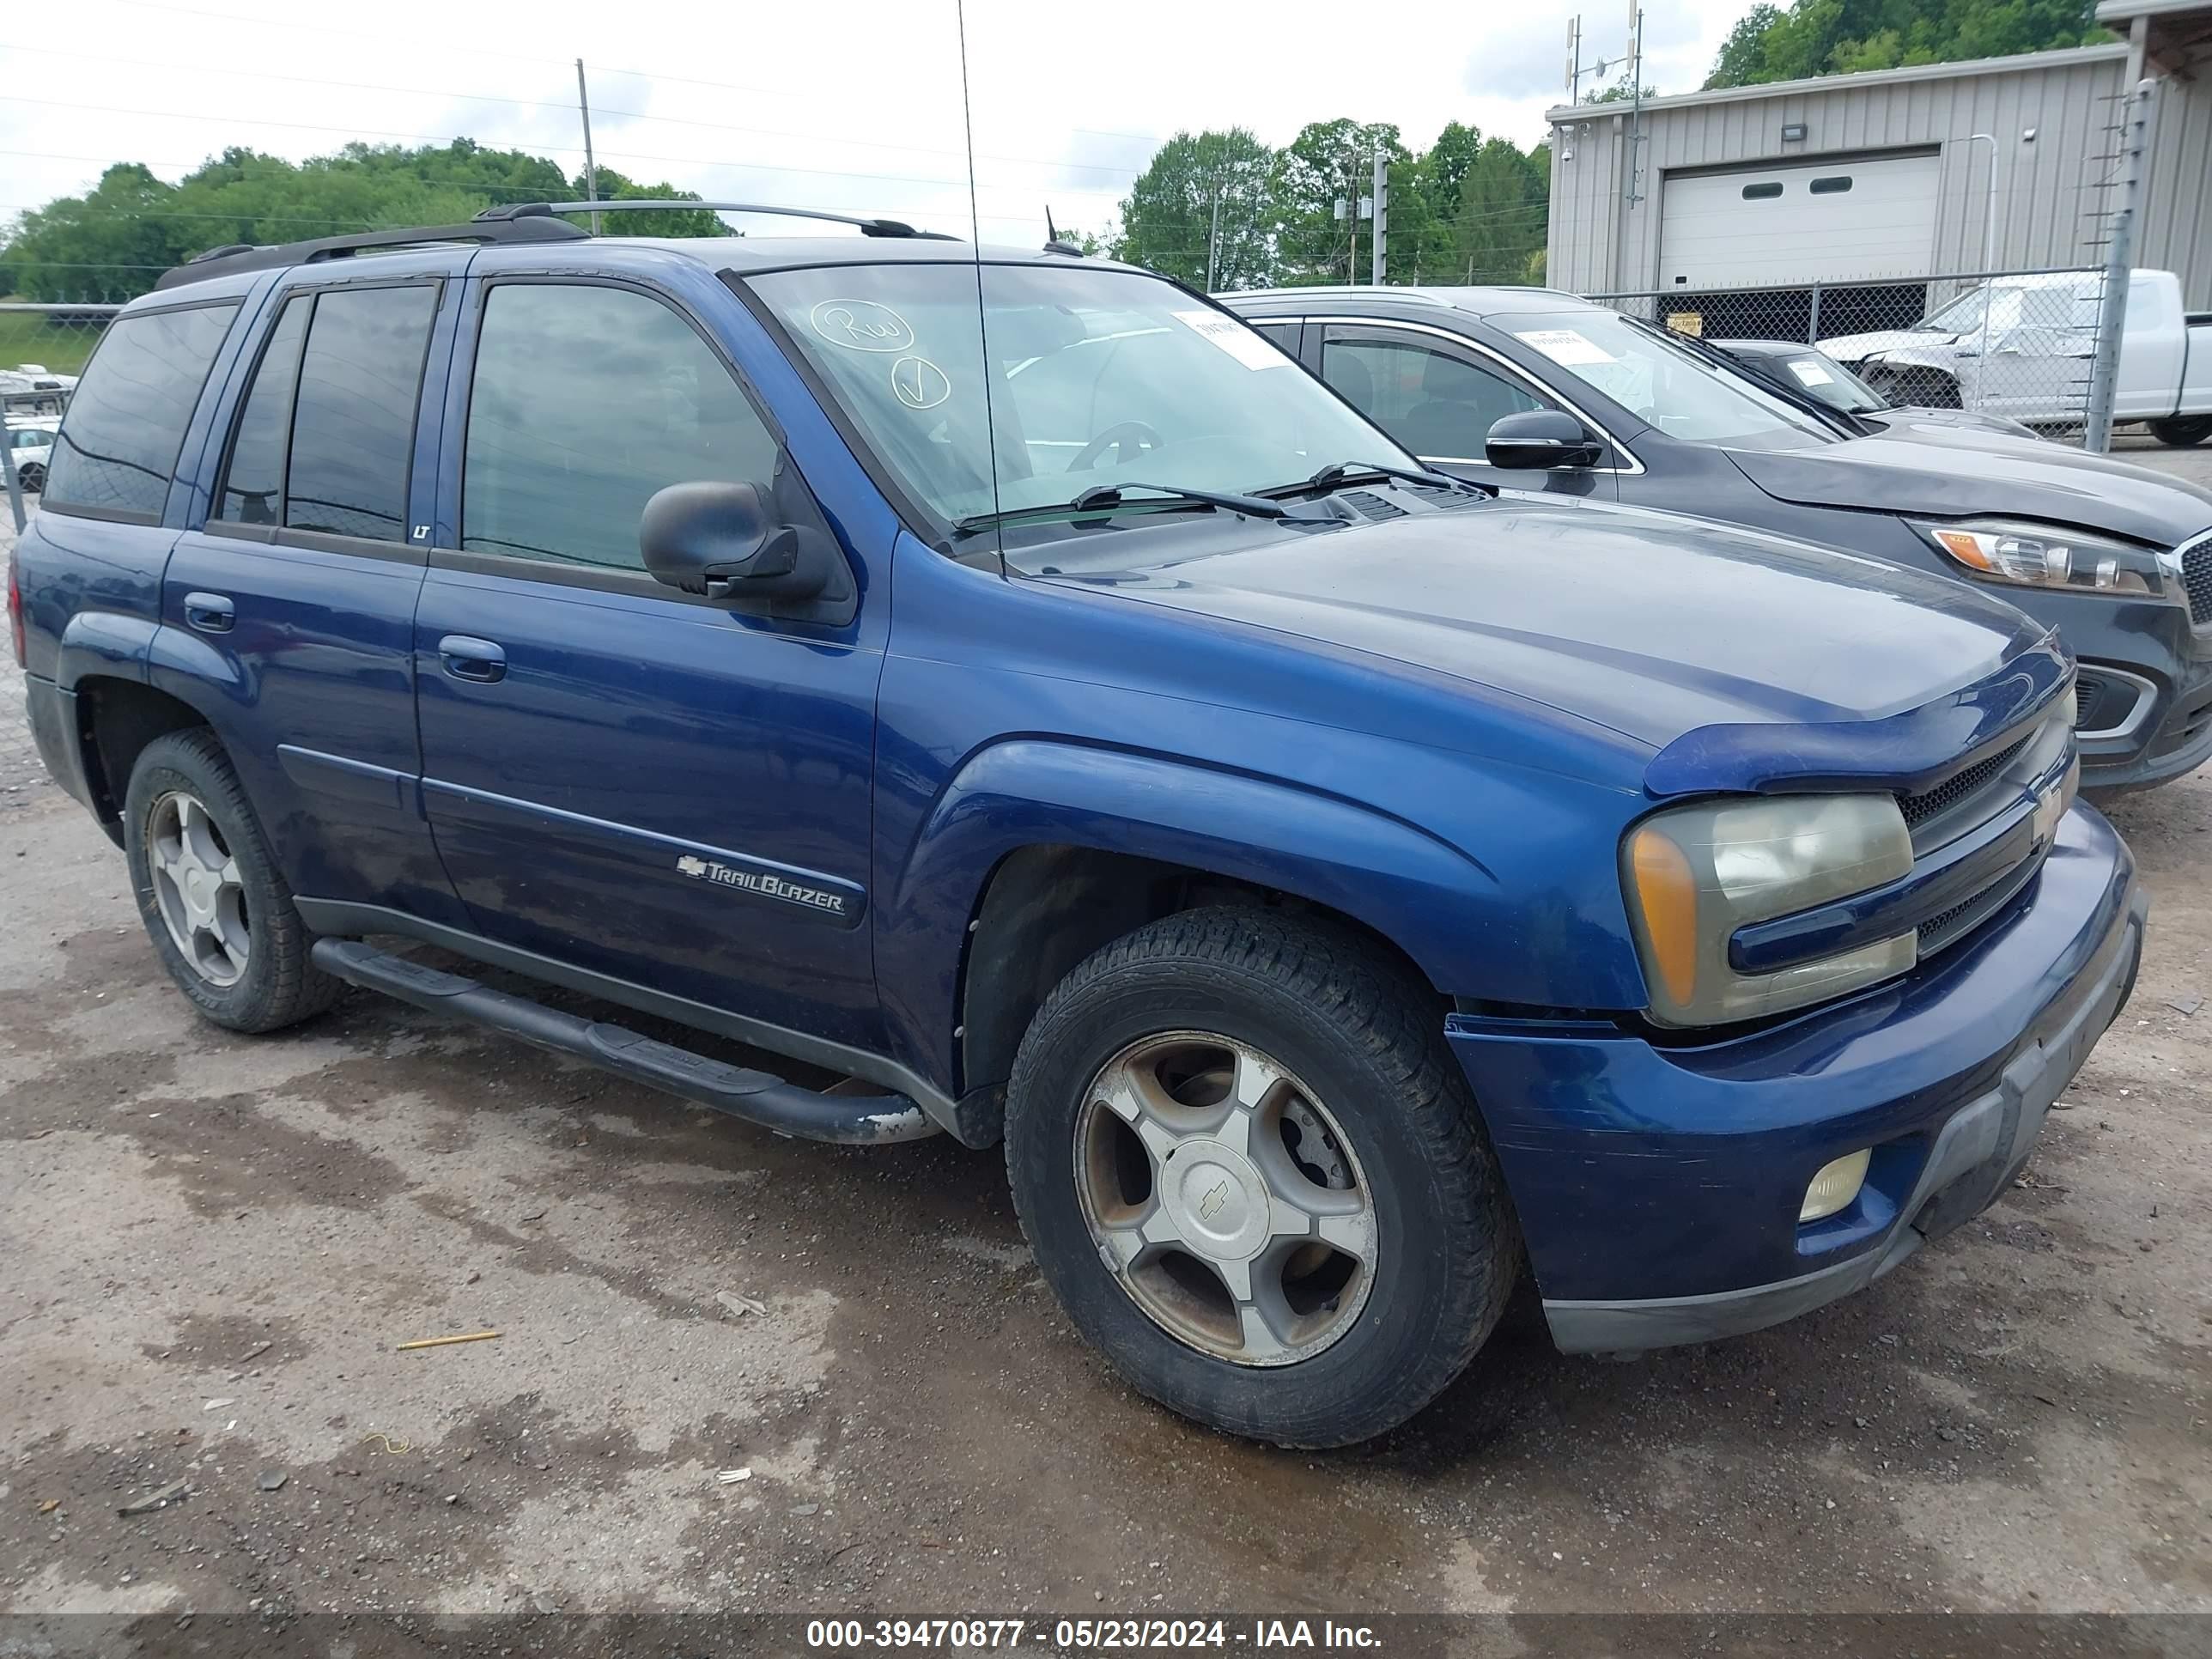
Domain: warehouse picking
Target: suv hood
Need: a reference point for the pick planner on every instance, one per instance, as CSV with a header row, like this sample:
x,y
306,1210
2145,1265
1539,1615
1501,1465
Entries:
x,y
1958,472
1854,348
1649,624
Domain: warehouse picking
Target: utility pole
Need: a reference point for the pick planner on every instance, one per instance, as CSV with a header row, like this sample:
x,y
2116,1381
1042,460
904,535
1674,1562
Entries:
x,y
1636,102
1213,242
1380,236
2119,258
591,167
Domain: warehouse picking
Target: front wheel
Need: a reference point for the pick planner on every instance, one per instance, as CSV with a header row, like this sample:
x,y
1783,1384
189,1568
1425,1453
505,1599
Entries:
x,y
32,479
2185,432
1255,1179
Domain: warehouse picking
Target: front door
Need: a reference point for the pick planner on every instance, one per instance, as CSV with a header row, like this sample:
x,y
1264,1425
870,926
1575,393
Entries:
x,y
621,777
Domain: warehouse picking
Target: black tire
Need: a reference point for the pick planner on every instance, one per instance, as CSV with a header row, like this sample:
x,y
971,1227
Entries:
x,y
278,985
32,479
1366,1035
2183,432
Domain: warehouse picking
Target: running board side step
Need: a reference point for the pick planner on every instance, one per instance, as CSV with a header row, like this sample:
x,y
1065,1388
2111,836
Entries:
x,y
757,1096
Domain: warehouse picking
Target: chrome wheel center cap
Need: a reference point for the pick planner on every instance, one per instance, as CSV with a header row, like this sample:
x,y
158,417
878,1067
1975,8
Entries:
x,y
1217,1200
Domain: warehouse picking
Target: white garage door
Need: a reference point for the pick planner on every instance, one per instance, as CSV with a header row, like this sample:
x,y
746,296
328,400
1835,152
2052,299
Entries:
x,y
1832,221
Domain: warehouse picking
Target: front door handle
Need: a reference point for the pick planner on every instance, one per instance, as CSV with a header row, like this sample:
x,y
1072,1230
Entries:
x,y
210,613
465,658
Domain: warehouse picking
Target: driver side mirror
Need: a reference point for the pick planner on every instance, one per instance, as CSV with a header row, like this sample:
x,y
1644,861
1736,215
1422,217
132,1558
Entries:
x,y
1542,440
722,541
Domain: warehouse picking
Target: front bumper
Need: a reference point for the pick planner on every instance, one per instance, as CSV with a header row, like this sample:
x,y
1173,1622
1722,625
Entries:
x,y
1658,1189
2168,734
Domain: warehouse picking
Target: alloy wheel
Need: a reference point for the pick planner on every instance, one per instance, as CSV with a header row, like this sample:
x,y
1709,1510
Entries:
x,y
198,888
1225,1198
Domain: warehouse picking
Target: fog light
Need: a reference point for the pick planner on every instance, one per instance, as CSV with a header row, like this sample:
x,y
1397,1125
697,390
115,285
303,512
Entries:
x,y
1835,1187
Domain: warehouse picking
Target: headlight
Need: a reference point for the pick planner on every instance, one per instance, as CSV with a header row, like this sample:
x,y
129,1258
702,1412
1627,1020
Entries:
x,y
1695,874
2045,556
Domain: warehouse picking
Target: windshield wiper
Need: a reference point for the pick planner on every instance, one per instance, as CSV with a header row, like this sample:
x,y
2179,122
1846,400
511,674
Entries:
x,y
1337,474
1100,499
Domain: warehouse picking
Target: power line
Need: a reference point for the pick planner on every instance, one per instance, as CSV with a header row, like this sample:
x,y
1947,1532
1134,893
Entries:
x,y
566,108
569,150
527,57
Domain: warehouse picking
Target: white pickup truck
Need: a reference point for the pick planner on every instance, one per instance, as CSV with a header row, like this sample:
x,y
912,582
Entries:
x,y
2021,346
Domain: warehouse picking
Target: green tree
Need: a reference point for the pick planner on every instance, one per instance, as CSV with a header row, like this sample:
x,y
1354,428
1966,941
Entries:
x,y
1841,37
114,240
613,188
1328,161
1445,164
1168,217
1501,220
107,245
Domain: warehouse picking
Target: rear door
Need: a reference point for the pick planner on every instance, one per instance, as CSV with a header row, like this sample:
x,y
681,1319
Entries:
x,y
295,597
621,777
1440,394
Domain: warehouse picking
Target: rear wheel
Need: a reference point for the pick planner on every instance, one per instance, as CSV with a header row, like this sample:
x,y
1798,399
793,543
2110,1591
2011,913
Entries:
x,y
31,479
1255,1178
214,903
2183,432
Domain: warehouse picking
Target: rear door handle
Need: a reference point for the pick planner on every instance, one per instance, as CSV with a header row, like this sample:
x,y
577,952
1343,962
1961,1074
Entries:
x,y
210,613
467,658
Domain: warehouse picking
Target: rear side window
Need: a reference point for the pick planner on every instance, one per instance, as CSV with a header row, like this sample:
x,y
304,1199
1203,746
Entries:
x,y
117,450
327,429
253,482
352,421
586,401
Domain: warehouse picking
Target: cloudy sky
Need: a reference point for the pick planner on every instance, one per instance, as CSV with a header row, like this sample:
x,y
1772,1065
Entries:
x,y
854,107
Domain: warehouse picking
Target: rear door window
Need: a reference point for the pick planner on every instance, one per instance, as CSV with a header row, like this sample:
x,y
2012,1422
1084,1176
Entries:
x,y
254,480
127,421
353,420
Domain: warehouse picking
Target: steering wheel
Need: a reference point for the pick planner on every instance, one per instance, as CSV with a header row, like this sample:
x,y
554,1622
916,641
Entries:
x,y
1123,438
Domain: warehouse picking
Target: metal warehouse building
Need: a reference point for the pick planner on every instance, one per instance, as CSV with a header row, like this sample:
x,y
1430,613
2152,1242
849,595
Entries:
x,y
1889,178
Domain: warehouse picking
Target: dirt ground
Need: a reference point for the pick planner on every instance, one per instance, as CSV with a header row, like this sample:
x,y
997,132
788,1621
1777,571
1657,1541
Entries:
x,y
212,1244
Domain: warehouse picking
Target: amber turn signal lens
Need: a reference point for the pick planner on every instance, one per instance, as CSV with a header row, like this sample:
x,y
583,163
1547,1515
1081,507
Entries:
x,y
1667,891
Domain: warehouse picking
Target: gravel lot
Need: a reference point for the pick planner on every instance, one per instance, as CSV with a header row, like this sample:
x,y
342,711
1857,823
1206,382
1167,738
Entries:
x,y
213,1243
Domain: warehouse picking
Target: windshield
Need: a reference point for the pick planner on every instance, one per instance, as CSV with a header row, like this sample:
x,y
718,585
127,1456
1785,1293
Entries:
x,y
1097,377
1962,316
1662,384
1821,376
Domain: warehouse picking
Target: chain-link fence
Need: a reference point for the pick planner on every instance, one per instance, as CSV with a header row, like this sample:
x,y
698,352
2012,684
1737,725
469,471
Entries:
x,y
2019,344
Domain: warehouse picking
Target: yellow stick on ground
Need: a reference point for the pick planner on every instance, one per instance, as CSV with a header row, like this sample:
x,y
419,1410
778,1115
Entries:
x,y
442,1341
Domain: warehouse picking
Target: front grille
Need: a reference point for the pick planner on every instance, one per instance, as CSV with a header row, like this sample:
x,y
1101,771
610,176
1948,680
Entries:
x,y
1959,786
2087,688
2196,579
1949,927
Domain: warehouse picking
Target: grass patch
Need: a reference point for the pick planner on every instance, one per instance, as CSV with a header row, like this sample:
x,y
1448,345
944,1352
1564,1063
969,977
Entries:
x,y
30,337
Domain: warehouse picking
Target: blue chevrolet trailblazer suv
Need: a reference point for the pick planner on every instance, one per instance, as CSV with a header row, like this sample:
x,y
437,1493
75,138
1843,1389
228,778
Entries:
x,y
1008,680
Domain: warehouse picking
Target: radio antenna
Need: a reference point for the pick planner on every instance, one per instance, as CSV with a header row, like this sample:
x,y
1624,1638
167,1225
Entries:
x,y
982,316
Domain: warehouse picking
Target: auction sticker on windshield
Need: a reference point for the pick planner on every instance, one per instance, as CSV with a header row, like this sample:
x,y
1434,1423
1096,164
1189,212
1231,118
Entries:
x,y
1812,374
1233,337
1564,346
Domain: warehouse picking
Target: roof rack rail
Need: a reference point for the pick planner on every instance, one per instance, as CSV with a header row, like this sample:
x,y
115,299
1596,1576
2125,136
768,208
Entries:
x,y
866,226
533,223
